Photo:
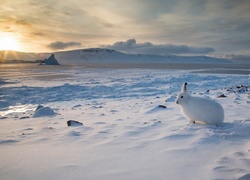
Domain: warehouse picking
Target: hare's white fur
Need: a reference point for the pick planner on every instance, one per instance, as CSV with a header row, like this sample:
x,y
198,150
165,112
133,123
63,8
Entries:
x,y
198,109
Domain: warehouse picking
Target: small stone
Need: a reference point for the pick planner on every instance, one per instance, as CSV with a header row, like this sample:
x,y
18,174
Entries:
x,y
162,106
74,123
222,96
39,107
24,117
3,117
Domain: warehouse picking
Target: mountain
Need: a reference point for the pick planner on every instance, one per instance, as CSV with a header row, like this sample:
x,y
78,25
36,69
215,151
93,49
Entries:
x,y
98,55
51,60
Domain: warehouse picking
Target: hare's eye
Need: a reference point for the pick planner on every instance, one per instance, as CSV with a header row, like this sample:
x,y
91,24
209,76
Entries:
x,y
181,96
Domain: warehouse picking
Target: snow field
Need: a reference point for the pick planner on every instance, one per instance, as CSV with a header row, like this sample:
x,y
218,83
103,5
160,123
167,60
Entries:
x,y
125,134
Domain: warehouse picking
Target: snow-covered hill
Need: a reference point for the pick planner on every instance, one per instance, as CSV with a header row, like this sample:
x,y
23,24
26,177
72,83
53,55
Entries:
x,y
98,55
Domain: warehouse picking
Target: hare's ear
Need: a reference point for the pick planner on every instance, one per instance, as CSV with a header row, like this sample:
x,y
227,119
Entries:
x,y
184,88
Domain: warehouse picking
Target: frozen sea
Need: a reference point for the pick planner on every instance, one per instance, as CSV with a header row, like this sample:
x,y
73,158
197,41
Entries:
x,y
127,133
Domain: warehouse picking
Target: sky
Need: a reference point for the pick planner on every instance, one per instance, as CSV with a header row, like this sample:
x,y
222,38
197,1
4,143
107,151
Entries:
x,y
136,26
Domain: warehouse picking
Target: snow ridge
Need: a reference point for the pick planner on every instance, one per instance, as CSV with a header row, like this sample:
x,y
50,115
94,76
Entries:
x,y
100,55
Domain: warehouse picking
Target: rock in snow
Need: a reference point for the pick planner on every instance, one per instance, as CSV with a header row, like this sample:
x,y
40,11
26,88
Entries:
x,y
162,106
39,106
43,111
222,96
51,60
74,123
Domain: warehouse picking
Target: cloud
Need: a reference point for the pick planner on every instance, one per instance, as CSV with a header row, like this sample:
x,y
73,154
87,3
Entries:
x,y
62,45
223,25
22,22
132,46
38,34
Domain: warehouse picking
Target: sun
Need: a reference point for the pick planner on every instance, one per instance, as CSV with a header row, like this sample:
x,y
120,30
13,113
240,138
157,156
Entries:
x,y
8,42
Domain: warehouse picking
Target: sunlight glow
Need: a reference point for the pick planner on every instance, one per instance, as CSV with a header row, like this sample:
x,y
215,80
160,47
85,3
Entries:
x,y
8,42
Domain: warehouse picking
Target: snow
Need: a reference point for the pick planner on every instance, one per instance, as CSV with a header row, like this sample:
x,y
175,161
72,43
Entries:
x,y
126,133
43,111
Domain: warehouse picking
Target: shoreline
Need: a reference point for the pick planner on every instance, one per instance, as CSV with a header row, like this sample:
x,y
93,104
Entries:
x,y
195,68
231,68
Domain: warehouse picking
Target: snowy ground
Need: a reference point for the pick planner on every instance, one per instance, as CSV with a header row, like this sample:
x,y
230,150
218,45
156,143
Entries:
x,y
125,134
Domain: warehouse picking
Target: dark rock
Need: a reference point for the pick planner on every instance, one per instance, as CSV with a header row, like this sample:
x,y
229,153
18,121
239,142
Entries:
x,y
51,60
39,107
222,96
24,117
74,123
162,106
3,117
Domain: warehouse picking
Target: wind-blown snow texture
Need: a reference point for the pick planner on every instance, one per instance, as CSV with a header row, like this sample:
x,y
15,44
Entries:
x,y
125,134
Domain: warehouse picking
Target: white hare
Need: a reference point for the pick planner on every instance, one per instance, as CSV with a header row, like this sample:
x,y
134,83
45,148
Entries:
x,y
199,110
